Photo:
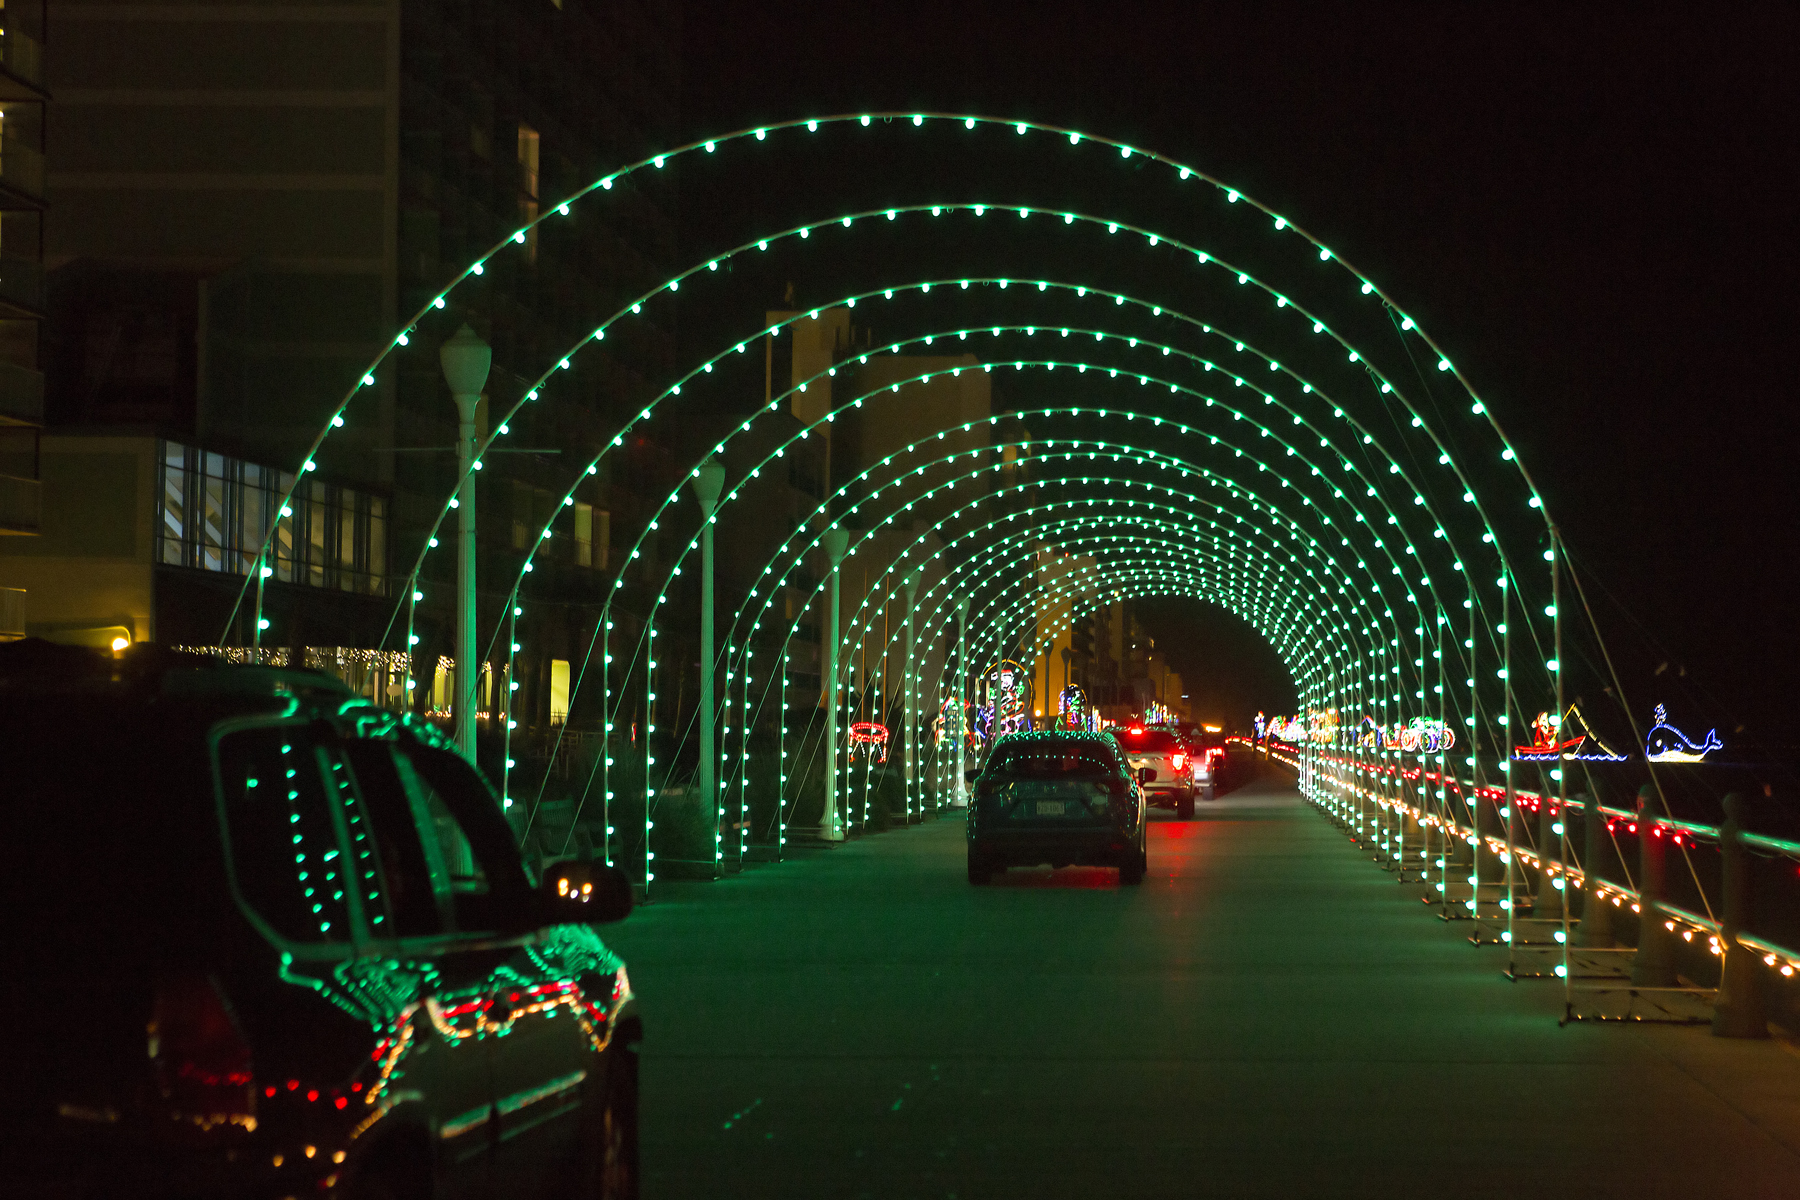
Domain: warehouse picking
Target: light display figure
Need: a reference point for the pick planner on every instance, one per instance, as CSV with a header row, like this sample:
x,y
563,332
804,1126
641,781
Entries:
x,y
869,738
1665,743
952,722
1072,707
1567,737
1009,699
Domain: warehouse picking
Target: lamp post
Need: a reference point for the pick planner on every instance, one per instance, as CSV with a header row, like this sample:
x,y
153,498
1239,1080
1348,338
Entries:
x,y
708,479
961,785
837,541
465,359
906,698
1068,653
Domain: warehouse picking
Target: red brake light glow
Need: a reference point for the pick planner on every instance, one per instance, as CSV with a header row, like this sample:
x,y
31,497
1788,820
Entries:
x,y
1178,760
200,1057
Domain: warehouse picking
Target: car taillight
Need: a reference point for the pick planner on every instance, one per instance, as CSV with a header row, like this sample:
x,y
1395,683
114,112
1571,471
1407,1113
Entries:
x,y
200,1057
1178,761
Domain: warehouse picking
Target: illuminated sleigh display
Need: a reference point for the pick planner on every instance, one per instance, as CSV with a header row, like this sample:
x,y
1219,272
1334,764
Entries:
x,y
869,738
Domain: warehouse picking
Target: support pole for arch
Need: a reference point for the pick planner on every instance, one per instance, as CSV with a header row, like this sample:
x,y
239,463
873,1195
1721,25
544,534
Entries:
x,y
906,696
708,479
960,784
465,359
836,542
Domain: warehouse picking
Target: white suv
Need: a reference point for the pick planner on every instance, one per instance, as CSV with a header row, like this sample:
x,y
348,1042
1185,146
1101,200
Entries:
x,y
1165,753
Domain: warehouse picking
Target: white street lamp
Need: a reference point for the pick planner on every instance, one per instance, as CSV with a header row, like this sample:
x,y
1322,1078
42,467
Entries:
x,y
960,787
907,720
465,359
837,541
708,480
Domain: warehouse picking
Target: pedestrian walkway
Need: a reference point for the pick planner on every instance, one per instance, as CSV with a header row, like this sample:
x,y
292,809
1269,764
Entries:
x,y
1266,1015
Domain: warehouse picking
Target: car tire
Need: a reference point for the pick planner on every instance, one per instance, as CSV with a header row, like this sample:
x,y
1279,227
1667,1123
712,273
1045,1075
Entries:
x,y
609,1165
980,871
1135,866
1184,808
1208,793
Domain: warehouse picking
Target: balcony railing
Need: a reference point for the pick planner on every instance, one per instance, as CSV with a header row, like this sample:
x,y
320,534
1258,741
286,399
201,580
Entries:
x,y
22,57
20,505
22,282
21,395
12,614
22,168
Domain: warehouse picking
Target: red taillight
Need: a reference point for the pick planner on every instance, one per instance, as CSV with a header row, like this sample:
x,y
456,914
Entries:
x,y
1178,761
201,1059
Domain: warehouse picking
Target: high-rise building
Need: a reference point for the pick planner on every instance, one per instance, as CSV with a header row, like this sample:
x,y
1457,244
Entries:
x,y
245,203
23,100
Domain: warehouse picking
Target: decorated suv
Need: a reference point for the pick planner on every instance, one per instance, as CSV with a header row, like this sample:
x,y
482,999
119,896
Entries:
x,y
1169,761
1060,797
270,940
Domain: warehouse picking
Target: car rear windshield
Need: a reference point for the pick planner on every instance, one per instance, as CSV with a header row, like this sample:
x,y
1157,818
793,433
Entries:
x,y
1148,741
1048,759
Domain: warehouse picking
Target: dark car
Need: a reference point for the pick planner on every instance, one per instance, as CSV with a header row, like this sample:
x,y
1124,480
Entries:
x,y
266,940
1211,760
1056,797
1170,763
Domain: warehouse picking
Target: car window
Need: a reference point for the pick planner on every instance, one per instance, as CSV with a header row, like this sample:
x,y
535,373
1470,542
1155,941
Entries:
x,y
285,854
1148,741
408,900
1036,759
474,850
456,860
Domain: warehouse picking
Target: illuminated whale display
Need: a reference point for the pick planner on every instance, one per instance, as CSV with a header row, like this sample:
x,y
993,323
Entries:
x,y
1665,743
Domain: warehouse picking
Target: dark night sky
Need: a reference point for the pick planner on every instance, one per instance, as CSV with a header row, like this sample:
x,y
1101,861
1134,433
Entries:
x,y
1591,212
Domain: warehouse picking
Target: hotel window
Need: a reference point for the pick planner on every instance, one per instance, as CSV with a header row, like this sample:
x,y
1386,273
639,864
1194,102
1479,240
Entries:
x,y
559,691
214,511
589,551
528,187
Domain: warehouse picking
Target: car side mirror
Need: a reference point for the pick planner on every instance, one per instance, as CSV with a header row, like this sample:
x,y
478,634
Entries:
x,y
1146,775
584,893
972,774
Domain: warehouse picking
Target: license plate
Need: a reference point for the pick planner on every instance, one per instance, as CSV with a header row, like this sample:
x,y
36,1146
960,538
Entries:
x,y
1050,808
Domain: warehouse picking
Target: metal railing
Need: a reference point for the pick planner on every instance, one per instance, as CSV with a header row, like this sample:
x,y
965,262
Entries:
x,y
1514,883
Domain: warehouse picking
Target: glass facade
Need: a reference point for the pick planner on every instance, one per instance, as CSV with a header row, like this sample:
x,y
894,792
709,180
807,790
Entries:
x,y
213,512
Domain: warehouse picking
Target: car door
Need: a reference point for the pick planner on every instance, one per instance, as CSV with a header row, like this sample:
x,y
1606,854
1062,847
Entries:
x,y
542,1058
436,1076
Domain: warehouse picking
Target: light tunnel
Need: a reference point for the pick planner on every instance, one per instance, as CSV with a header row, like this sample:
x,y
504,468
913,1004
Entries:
x,y
1256,424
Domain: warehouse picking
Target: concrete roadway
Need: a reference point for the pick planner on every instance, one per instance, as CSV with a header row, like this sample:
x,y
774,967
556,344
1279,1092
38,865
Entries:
x,y
1267,1015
